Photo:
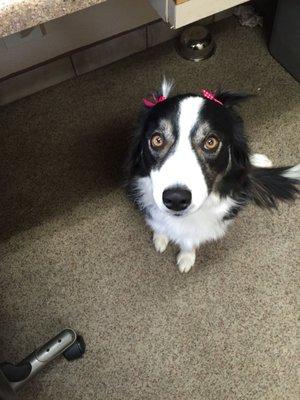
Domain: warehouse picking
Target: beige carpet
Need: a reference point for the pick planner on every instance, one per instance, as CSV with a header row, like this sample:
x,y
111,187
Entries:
x,y
75,253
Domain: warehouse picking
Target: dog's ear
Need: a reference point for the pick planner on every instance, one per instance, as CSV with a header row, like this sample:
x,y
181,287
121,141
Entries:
x,y
239,153
230,99
236,178
135,164
160,95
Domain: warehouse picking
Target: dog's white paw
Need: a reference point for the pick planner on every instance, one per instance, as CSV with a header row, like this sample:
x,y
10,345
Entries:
x,y
260,160
185,260
160,242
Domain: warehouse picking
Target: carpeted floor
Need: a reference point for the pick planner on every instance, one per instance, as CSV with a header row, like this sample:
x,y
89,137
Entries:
x,y
75,253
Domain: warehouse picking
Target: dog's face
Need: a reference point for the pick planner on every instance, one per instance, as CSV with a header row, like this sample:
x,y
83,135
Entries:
x,y
188,145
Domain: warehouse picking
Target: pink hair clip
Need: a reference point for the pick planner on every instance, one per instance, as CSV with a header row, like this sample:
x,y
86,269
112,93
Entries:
x,y
151,104
210,96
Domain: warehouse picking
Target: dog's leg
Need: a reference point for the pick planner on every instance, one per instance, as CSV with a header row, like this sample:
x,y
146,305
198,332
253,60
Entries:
x,y
160,242
186,259
260,160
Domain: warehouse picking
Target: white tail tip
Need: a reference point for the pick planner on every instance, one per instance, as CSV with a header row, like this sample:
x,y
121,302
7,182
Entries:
x,y
292,173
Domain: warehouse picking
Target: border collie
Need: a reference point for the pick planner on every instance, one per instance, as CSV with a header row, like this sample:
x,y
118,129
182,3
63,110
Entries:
x,y
190,170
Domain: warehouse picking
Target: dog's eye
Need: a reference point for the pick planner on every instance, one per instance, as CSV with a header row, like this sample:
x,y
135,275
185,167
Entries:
x,y
157,141
211,143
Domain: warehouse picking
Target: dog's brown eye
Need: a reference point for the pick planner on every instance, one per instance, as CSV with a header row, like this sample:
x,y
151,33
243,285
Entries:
x,y
211,143
157,141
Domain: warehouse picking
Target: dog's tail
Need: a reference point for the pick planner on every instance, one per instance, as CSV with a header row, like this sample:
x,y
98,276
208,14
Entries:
x,y
269,185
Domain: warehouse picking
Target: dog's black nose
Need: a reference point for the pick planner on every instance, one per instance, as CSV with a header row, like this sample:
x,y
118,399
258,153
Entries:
x,y
177,199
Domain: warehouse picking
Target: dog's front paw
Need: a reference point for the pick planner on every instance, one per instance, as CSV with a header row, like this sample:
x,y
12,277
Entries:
x,y
185,260
160,242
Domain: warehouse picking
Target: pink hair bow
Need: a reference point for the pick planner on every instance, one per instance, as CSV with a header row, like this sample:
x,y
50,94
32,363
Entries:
x,y
151,104
210,96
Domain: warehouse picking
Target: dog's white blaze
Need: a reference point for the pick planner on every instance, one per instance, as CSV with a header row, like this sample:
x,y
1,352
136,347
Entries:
x,y
182,167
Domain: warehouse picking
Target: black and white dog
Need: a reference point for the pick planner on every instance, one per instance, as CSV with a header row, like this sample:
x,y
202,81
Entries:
x,y
190,170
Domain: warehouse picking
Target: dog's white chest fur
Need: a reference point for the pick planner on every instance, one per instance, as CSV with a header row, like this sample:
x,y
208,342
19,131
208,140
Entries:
x,y
191,230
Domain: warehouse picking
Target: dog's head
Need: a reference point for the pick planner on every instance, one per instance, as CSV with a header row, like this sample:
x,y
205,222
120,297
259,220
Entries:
x,y
189,146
